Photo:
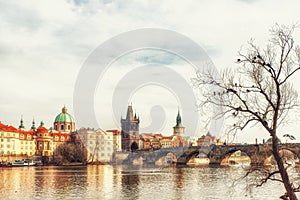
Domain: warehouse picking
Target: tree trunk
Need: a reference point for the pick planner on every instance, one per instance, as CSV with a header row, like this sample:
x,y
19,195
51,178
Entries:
x,y
283,172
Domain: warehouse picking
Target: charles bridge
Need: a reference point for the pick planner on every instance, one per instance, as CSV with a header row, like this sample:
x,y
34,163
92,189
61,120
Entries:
x,y
216,154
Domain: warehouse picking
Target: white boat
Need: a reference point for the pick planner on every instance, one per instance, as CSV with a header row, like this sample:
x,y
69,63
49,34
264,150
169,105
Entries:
x,y
23,163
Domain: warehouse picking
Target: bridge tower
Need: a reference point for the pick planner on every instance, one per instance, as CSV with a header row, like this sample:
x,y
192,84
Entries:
x,y
178,139
178,130
130,130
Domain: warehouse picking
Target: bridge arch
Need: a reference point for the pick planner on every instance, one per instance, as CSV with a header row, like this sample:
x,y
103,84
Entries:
x,y
235,157
197,158
166,159
287,154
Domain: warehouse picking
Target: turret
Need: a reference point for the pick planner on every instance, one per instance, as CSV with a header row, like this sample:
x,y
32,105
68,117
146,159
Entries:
x,y
21,123
33,125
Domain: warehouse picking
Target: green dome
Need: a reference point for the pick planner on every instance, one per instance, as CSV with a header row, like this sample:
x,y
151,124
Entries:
x,y
269,141
64,117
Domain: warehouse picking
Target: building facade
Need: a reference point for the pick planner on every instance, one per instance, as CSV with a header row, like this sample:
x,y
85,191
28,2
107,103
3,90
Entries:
x,y
206,140
117,139
130,131
150,141
36,141
98,143
166,142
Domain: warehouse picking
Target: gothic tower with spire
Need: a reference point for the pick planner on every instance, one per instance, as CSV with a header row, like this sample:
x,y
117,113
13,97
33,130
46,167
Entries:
x,y
178,139
130,130
178,130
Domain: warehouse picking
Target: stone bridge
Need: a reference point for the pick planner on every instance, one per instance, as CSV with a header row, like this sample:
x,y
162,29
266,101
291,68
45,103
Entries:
x,y
258,153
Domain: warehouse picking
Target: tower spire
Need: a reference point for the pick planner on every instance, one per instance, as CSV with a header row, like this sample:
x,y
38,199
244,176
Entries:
x,y
21,122
33,124
129,115
178,119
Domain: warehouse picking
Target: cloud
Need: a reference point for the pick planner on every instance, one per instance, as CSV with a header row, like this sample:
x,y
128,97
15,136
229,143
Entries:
x,y
44,43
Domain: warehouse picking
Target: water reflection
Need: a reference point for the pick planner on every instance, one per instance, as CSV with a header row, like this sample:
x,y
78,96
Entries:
x,y
121,182
178,182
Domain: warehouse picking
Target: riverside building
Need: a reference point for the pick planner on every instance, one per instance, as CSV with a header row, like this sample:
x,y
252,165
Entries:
x,y
39,140
98,143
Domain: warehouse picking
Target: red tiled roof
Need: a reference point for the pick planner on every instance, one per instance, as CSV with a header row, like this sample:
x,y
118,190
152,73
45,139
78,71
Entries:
x,y
42,129
114,131
7,128
167,137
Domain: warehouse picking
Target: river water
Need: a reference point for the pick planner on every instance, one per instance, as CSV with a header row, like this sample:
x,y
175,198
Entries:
x,y
123,182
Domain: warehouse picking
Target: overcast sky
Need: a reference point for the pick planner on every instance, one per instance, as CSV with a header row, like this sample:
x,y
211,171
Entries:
x,y
43,45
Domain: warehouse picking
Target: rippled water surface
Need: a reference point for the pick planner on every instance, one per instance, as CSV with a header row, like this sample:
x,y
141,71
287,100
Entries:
x,y
121,182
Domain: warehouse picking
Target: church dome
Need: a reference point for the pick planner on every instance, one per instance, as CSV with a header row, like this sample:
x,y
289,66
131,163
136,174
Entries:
x,y
64,117
269,141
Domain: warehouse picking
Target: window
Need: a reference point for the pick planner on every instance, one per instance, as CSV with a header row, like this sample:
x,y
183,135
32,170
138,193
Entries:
x,y
22,136
56,138
69,127
62,138
62,127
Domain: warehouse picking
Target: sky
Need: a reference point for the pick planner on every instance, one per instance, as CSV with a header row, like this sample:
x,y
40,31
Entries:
x,y
45,44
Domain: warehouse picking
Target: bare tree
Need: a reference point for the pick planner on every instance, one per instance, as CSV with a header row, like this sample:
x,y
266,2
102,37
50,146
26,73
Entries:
x,y
258,91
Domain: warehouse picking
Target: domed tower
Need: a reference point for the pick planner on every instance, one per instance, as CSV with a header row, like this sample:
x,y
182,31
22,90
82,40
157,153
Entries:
x,y
43,141
64,122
